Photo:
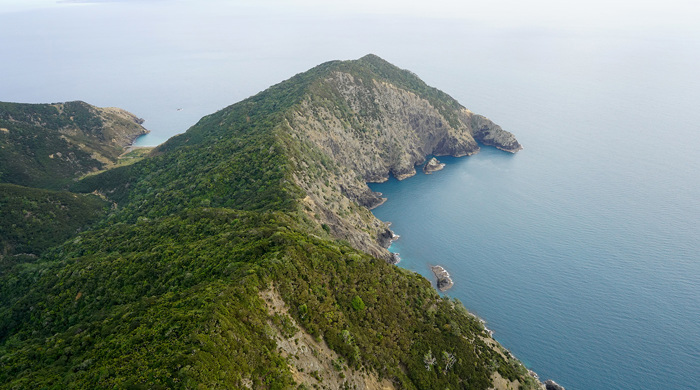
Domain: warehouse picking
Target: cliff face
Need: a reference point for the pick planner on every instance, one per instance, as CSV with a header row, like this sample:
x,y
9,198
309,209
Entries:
x,y
491,134
47,145
377,128
370,120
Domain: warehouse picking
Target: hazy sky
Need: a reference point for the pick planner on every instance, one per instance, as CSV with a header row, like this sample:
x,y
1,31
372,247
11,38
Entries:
x,y
153,56
618,14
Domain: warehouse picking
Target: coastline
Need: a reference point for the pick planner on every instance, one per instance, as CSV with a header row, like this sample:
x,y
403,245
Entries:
x,y
444,280
395,257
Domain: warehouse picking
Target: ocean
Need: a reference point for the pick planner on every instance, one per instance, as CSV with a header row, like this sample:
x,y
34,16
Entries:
x,y
581,252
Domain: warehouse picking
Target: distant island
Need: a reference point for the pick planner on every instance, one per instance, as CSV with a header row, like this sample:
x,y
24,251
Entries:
x,y
240,254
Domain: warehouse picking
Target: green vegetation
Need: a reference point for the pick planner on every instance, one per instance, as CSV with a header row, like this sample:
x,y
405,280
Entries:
x,y
170,302
32,156
49,145
148,304
33,220
357,303
373,67
126,159
164,291
248,173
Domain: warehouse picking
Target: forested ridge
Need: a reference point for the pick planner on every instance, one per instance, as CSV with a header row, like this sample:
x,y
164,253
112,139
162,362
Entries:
x,y
164,290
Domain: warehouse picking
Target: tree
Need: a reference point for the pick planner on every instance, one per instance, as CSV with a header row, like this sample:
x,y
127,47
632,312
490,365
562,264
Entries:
x,y
449,360
357,303
429,360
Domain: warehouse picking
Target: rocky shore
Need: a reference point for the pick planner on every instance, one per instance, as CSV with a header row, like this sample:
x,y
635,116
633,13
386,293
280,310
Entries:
x,y
444,281
395,258
552,385
432,166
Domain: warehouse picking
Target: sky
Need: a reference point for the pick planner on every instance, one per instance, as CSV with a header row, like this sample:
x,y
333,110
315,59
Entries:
x,y
615,14
153,56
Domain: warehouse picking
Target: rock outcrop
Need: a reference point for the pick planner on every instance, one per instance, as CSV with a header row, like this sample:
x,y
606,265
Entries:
x,y
552,385
491,134
370,119
443,280
432,166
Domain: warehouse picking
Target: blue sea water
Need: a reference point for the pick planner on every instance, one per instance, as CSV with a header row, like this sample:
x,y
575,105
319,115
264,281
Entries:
x,y
582,251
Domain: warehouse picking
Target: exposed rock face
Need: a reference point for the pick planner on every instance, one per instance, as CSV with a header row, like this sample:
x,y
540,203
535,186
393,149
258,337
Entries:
x,y
491,134
370,125
384,129
312,363
120,126
395,258
444,281
552,385
432,166
385,238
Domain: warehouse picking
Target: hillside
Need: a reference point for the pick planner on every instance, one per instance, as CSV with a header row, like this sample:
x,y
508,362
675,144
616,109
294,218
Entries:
x,y
33,220
320,151
242,254
49,145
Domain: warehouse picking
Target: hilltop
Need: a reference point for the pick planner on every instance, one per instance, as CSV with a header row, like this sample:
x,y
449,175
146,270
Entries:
x,y
242,254
327,132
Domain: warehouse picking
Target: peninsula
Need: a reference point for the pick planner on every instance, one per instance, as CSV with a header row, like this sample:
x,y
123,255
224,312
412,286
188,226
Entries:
x,y
50,145
242,253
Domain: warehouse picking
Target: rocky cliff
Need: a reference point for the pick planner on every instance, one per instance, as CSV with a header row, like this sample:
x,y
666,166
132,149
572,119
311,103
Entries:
x,y
433,166
370,119
376,127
